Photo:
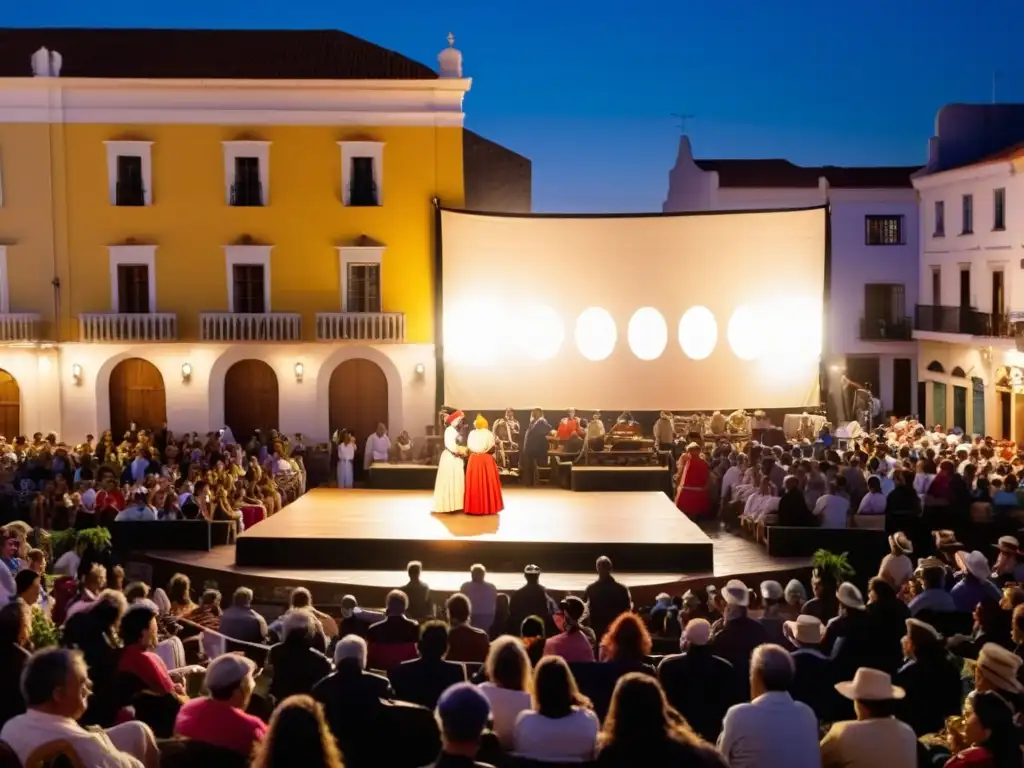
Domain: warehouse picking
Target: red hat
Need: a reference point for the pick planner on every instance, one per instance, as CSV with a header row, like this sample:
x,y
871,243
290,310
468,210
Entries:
x,y
452,417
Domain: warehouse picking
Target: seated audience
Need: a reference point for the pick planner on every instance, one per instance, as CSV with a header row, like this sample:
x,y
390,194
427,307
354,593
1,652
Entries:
x,y
296,665
220,719
393,640
420,603
482,596
561,728
508,686
992,734
423,680
55,686
462,714
573,643
15,626
930,679
933,597
297,736
240,621
465,642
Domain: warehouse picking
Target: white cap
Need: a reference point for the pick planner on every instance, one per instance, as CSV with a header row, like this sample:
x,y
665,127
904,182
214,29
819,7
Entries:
x,y
228,670
736,593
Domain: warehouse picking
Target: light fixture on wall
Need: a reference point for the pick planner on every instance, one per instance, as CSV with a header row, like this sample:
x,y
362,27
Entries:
x,y
300,370
420,369
186,372
76,373
44,364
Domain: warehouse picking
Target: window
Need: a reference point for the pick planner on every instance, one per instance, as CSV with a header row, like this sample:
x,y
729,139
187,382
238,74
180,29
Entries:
x,y
130,172
883,230
247,189
248,281
885,301
968,215
940,218
937,286
129,181
363,288
247,173
363,190
362,172
999,209
133,288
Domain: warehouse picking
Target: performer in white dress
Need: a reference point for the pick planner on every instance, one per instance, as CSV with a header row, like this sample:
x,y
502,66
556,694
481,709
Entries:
x,y
346,455
450,485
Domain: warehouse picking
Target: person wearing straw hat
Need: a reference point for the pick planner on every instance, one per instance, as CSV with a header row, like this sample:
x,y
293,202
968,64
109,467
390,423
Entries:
x,y
934,596
896,567
694,481
930,678
811,680
1008,566
998,669
976,585
739,634
876,737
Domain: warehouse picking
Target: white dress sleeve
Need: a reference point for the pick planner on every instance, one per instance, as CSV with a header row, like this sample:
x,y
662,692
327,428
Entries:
x,y
451,438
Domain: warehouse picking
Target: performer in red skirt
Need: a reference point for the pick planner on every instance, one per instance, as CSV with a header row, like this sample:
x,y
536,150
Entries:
x,y
483,483
694,477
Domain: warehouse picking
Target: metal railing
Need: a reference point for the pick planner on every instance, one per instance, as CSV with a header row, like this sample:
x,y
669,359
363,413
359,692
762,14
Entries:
x,y
360,326
128,326
940,319
19,326
886,329
239,326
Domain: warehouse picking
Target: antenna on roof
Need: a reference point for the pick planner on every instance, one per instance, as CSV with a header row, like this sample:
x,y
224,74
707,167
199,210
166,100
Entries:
x,y
451,40
682,120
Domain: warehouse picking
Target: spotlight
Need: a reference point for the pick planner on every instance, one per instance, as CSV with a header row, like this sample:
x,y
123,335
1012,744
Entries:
x,y
300,370
186,372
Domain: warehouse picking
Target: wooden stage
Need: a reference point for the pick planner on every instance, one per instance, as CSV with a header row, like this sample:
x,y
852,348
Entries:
x,y
327,528
540,526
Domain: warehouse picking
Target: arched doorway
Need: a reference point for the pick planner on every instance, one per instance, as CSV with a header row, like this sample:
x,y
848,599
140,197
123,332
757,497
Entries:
x,y
250,398
137,397
10,406
358,401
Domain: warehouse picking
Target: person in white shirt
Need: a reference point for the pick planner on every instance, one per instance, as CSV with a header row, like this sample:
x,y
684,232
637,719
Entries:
x,y
378,447
561,728
56,687
139,465
482,595
832,508
733,476
896,567
346,455
772,730
507,690
873,502
139,510
762,503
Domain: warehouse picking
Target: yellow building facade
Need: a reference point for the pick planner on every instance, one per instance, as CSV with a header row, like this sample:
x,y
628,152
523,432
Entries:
x,y
217,250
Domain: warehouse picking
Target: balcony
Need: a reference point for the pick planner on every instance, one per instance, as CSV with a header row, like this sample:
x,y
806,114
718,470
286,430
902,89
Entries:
x,y
885,329
19,326
128,326
939,319
361,326
261,326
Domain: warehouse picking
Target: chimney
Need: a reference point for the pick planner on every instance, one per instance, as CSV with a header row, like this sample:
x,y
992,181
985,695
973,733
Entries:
x,y
46,63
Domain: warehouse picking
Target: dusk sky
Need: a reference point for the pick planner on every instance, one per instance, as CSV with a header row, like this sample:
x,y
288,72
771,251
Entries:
x,y
585,90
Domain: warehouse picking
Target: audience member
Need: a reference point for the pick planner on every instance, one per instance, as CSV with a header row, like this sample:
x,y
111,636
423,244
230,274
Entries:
x,y
423,680
220,718
561,727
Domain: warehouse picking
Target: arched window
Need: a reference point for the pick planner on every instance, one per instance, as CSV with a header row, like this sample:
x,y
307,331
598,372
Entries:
x,y
958,372
936,367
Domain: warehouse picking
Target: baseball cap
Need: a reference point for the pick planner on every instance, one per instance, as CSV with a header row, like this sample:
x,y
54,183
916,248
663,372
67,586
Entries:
x,y
228,670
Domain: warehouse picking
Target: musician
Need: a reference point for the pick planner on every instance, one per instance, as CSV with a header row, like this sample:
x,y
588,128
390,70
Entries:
x,y
506,435
624,425
569,425
852,392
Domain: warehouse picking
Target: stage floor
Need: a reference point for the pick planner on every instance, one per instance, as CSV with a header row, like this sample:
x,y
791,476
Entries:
x,y
330,528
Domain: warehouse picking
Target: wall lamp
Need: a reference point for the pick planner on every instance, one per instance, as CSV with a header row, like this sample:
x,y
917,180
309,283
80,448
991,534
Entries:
x,y
76,374
186,372
420,369
300,370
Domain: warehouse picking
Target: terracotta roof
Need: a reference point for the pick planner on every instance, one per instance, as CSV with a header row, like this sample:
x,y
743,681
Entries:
x,y
227,54
776,173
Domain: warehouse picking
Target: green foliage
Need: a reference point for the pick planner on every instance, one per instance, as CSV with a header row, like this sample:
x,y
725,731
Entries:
x,y
44,632
63,541
97,538
837,566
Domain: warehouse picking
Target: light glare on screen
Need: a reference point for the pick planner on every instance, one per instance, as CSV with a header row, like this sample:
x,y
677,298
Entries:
x,y
744,333
541,332
595,334
647,333
698,333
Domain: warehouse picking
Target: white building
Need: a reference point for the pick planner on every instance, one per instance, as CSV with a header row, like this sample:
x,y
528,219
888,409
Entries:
x,y
968,321
873,266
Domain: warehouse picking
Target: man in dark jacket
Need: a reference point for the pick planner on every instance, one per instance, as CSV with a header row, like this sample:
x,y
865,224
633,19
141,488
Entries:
x,y
606,598
737,634
421,605
535,448
812,679
423,680
698,684
793,510
531,599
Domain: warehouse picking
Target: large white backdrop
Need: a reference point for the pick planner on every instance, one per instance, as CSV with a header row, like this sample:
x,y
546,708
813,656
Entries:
x,y
683,312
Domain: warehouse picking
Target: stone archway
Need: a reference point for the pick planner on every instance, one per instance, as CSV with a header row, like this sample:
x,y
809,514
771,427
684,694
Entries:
x,y
137,396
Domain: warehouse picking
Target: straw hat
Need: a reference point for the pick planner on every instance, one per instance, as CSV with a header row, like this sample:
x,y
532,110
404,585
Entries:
x,y
806,630
900,541
924,563
736,593
691,446
870,685
975,563
1008,544
771,590
1000,667
850,596
946,539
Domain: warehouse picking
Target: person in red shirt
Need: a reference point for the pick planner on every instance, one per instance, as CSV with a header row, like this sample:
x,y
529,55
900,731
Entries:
x,y
220,719
110,497
139,635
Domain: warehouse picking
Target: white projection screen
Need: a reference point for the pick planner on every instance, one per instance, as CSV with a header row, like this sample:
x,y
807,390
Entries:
x,y
710,311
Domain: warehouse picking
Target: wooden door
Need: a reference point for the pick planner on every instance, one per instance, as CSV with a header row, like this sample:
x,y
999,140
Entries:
x,y
10,406
358,401
136,396
250,398
901,387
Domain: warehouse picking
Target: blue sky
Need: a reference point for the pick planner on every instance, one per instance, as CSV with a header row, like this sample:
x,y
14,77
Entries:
x,y
586,89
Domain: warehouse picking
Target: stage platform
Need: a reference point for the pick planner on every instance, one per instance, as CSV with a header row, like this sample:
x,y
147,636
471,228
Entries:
x,y
559,531
409,477
621,479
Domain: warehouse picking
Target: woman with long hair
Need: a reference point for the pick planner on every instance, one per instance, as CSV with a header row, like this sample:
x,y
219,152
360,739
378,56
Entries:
x,y
179,591
532,632
628,644
990,729
641,722
509,674
298,735
562,728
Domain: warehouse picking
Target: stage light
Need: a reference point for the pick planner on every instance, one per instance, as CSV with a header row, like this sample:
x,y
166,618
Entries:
x,y
595,334
647,333
541,332
698,333
745,334
469,333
